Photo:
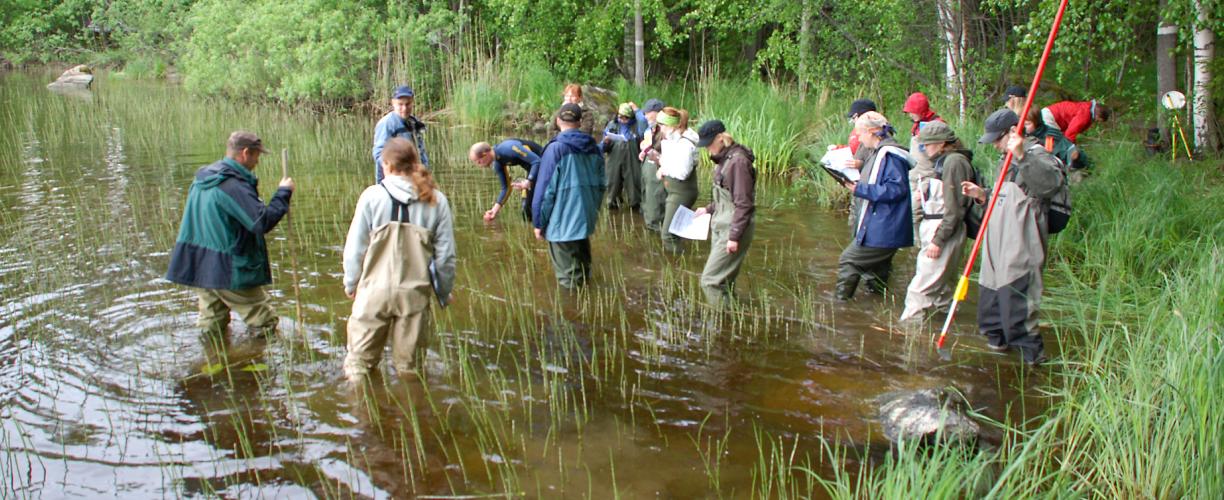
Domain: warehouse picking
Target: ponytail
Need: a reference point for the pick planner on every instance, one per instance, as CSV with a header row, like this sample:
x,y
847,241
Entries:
x,y
402,158
424,182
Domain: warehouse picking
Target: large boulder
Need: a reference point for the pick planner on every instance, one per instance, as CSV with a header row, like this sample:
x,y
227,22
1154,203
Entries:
x,y
78,77
925,415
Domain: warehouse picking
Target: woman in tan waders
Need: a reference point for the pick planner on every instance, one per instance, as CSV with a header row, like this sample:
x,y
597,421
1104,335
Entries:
x,y
677,162
400,250
734,209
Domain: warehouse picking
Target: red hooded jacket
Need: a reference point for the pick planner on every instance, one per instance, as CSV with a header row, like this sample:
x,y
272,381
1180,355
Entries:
x,y
918,104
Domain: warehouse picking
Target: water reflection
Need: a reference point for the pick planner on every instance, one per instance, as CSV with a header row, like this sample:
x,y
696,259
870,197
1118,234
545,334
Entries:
x,y
629,386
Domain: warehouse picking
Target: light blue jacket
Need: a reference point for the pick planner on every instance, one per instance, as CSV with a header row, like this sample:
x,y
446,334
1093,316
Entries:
x,y
391,125
570,187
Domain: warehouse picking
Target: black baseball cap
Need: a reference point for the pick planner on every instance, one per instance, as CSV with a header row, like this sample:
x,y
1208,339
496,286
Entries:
x,y
997,124
570,112
708,131
652,104
1016,91
860,106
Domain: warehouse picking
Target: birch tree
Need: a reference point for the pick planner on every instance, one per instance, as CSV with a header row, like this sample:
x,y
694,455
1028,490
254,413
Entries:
x,y
1204,50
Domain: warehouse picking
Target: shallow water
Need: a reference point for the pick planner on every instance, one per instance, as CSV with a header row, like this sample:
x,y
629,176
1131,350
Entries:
x,y
627,387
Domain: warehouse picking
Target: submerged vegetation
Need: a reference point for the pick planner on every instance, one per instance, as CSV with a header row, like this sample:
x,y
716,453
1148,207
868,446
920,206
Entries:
x,y
628,388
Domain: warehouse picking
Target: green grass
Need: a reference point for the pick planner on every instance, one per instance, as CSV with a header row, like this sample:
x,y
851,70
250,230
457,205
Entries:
x,y
1134,298
532,390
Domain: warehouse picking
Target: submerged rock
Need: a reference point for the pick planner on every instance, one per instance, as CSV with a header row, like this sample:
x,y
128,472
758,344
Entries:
x,y
77,77
927,414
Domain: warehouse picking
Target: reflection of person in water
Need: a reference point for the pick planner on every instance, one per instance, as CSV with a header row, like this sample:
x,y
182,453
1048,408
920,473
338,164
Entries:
x,y
391,447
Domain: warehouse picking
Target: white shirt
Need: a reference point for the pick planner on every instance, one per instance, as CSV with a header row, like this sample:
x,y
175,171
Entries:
x,y
678,154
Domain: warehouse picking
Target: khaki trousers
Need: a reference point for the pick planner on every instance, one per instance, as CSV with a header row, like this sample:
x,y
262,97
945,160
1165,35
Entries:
x,y
373,324
253,304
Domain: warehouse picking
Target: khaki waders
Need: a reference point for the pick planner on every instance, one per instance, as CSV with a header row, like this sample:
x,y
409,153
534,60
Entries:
x,y
654,196
392,303
253,304
718,277
679,192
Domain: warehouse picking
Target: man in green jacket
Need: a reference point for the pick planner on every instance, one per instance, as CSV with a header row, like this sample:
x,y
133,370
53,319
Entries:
x,y
220,248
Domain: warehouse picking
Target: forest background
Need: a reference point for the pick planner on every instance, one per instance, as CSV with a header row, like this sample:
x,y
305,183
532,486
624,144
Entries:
x,y
484,59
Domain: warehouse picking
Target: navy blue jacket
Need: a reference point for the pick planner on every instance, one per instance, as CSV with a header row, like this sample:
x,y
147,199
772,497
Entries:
x,y
887,216
519,152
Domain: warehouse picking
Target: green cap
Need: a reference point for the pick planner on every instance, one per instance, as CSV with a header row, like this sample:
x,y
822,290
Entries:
x,y
934,132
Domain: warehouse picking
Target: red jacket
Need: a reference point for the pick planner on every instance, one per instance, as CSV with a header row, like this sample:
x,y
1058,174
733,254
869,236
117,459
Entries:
x,y
1072,117
918,104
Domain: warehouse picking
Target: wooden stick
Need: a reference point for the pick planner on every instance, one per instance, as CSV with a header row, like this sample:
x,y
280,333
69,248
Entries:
x,y
297,290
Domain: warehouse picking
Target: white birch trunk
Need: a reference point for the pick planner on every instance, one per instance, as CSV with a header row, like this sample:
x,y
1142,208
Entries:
x,y
954,51
1204,50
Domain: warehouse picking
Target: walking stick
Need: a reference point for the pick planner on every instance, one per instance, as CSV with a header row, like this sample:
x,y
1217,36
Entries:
x,y
962,286
297,290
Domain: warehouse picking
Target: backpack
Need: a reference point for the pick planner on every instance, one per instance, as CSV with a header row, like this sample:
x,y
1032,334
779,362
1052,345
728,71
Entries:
x,y
1059,214
973,212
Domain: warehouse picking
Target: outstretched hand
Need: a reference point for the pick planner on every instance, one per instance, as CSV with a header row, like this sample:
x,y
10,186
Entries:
x,y
973,191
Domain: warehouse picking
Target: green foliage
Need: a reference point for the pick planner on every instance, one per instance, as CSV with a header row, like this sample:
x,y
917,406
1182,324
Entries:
x,y
44,30
293,51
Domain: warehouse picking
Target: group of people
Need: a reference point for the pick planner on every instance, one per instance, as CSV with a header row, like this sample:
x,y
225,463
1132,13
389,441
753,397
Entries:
x,y
399,254
930,194
645,160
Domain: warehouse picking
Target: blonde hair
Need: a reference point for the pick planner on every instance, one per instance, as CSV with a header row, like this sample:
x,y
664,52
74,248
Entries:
x,y
479,149
402,158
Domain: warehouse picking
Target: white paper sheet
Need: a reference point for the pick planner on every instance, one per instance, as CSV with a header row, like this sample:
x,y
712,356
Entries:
x,y
615,136
687,225
836,159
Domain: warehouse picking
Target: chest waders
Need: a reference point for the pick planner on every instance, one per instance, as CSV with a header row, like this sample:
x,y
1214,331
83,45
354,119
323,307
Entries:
x,y
721,268
623,172
679,192
392,302
654,197
933,278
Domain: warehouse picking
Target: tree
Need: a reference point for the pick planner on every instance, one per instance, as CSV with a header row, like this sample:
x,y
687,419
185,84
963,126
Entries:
x,y
1166,66
1204,51
639,46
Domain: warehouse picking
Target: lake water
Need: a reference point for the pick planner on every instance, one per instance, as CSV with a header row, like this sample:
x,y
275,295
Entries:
x,y
629,388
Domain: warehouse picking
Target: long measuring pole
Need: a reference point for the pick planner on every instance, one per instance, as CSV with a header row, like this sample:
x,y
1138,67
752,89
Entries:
x,y
962,286
297,290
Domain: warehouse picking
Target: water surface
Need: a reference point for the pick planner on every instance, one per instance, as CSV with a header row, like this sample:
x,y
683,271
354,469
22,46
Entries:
x,y
628,387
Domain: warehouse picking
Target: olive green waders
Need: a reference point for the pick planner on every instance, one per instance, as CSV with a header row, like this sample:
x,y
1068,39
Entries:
x,y
253,304
678,193
654,197
718,277
571,262
393,296
624,174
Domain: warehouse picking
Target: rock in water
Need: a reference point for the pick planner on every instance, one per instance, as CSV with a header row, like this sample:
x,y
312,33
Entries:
x,y
925,415
79,76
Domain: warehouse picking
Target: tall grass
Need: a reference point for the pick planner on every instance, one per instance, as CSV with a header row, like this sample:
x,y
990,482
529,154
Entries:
x,y
1136,306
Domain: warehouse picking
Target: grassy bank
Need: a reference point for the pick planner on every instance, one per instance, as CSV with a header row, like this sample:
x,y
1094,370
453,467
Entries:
x,y
1134,299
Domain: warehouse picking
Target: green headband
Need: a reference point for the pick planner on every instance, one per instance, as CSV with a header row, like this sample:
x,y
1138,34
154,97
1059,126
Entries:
x,y
666,119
